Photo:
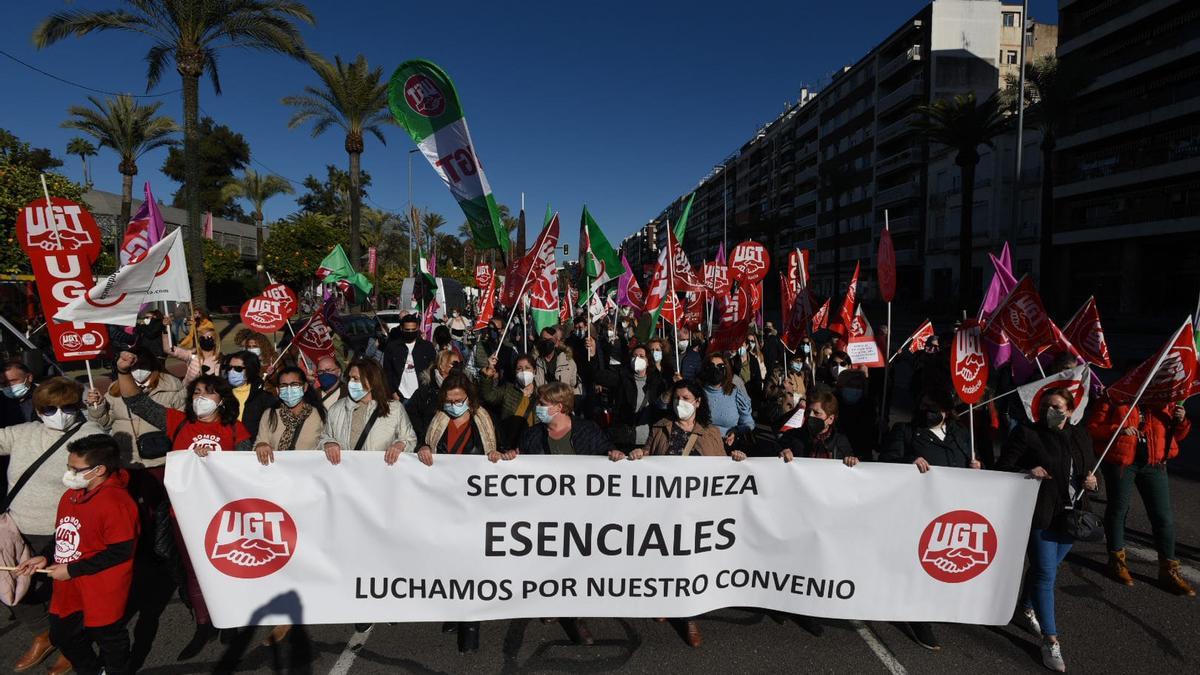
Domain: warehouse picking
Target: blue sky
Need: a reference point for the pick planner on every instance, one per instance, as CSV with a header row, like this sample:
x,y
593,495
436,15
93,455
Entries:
x,y
620,105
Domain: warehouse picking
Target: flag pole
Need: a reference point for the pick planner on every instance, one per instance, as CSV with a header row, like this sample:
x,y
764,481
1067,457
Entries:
x,y
887,351
900,349
1141,390
971,424
54,224
671,281
513,313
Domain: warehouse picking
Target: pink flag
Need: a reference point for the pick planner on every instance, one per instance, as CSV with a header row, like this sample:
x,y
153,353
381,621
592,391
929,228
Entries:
x,y
629,294
427,317
208,228
144,230
997,343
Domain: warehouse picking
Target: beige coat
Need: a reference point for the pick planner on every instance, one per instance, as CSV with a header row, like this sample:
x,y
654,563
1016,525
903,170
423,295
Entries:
x,y
708,440
270,431
36,505
112,414
387,430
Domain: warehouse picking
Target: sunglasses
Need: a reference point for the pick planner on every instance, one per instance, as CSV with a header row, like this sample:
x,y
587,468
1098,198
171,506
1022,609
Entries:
x,y
49,410
237,369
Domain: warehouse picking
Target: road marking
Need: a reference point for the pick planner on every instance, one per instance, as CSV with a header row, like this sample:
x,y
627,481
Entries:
x,y
885,655
342,665
1150,555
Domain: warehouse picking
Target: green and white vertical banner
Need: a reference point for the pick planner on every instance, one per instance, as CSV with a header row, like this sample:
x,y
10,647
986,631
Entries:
x,y
423,101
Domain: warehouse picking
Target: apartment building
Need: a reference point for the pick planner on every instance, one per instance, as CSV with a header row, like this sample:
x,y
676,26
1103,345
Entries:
x,y
1127,181
824,172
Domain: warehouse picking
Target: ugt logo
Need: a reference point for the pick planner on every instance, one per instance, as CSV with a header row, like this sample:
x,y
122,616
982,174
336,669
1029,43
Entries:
x,y
957,546
423,96
250,538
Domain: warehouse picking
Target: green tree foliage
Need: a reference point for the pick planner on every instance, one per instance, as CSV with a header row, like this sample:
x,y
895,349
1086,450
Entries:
x,y
331,197
297,245
15,151
222,152
221,264
20,183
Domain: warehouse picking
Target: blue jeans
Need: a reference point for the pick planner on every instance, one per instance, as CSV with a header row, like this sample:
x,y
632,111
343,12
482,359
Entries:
x,y
1047,549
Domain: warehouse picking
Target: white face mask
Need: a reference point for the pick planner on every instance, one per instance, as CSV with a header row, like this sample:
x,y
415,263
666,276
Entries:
x,y
58,421
76,481
796,398
255,351
525,377
684,410
639,364
204,406
140,375
657,354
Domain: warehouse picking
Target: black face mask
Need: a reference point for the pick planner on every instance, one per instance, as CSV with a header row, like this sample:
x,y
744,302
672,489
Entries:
x,y
927,417
814,425
546,347
408,335
712,374
208,344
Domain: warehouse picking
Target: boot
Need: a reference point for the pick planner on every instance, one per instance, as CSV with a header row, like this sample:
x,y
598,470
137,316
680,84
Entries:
x,y
38,650
1117,568
692,635
1172,579
579,632
61,667
468,638
203,635
278,633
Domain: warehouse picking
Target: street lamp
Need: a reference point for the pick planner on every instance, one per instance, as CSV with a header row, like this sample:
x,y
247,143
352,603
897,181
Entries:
x,y
723,168
412,227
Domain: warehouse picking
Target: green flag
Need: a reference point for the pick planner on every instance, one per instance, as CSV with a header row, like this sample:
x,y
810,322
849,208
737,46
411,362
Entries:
x,y
601,262
423,101
335,266
681,224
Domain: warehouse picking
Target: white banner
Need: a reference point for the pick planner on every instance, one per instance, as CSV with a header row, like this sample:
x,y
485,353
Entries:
x,y
304,541
159,275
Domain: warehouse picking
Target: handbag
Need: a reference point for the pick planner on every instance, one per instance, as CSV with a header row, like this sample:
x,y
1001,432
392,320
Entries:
x,y
1081,525
13,548
156,444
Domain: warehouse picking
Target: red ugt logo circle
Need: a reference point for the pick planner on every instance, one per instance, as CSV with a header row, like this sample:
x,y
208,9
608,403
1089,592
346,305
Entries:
x,y
250,538
957,546
423,96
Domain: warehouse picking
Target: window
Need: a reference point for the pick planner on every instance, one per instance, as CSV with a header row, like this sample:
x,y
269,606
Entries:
x,y
1010,19
1012,57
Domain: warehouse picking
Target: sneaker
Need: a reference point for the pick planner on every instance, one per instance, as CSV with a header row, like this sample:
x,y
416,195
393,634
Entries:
x,y
1027,620
1052,657
923,634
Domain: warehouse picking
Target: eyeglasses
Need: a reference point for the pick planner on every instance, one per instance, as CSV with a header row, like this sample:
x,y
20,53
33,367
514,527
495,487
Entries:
x,y
237,369
84,470
455,364
68,410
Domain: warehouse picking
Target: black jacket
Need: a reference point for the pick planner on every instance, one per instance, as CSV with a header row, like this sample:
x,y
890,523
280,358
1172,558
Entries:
x,y
623,386
801,443
586,439
422,407
1054,451
257,405
395,355
906,442
774,352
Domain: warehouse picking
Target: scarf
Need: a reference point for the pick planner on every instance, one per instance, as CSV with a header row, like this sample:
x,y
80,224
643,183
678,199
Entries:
x,y
291,425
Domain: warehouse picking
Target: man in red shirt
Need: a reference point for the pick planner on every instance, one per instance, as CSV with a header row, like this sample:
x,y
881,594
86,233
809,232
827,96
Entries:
x,y
94,538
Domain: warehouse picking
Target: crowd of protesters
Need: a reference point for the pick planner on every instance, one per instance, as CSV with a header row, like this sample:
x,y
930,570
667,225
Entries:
x,y
578,389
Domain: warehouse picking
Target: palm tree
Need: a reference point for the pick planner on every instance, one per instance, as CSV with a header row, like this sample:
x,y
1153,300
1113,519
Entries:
x,y
963,125
190,33
84,149
1050,94
257,189
430,224
128,128
353,97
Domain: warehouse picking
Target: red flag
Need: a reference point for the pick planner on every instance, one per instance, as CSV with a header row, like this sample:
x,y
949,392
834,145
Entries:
x,y
694,314
820,320
315,339
917,342
286,297
485,281
749,262
1085,333
569,302
846,316
1170,376
969,366
686,280
885,266
735,322
263,314
514,276
861,347
1023,318
671,312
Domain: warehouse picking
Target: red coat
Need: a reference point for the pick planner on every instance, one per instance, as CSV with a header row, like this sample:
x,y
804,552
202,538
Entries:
x,y
1154,424
89,522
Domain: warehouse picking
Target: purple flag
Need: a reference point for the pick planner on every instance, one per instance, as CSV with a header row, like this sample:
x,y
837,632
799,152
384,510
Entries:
x,y
144,230
997,343
721,254
629,294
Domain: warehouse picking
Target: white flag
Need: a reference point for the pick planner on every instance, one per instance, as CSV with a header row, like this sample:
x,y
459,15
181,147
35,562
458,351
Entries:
x,y
173,283
1076,380
118,298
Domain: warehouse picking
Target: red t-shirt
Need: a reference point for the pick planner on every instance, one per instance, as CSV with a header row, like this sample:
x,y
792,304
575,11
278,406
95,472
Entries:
x,y
197,434
87,523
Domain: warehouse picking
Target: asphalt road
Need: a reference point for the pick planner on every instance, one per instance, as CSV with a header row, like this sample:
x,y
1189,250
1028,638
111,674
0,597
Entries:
x,y
1103,626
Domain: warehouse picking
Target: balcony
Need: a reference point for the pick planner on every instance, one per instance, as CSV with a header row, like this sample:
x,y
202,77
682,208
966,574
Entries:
x,y
807,197
906,92
895,194
804,222
894,129
902,225
805,175
910,55
893,162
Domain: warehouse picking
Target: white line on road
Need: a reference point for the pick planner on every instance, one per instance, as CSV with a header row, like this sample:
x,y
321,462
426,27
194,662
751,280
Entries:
x,y
342,666
885,655
1150,555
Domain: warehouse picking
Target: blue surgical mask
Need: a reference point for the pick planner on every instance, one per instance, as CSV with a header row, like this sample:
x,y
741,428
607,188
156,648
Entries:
x,y
796,366
543,414
456,409
235,378
327,380
657,354
356,391
807,348
16,391
291,394
742,351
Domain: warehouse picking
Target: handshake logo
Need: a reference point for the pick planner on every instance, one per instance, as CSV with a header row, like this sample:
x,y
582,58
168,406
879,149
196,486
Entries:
x,y
250,538
957,546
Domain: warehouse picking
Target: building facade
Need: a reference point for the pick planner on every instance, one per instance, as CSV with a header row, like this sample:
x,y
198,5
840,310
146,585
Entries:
x,y
106,209
1127,176
828,171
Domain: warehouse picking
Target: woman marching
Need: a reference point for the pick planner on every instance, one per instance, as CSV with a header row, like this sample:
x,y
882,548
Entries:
x,y
460,427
